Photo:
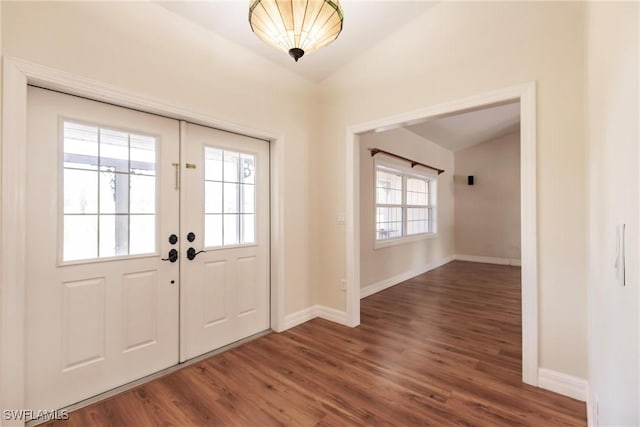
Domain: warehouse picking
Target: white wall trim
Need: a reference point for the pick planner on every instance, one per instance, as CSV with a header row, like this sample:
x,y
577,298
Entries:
x,y
392,281
566,385
352,217
12,239
17,74
332,315
526,94
309,313
591,415
488,260
299,317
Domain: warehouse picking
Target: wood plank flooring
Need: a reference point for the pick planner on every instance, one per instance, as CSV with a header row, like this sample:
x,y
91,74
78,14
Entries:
x,y
441,349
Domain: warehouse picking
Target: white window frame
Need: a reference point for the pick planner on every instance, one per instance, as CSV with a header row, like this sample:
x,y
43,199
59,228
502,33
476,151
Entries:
x,y
401,168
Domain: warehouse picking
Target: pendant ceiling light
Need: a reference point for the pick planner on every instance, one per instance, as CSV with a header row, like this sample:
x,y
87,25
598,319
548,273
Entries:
x,y
296,26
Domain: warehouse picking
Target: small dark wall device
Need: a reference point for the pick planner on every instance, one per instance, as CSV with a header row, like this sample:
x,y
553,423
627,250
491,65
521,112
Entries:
x,y
470,180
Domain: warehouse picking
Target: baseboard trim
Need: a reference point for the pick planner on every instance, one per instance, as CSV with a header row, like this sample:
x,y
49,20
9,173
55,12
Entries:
x,y
309,313
488,260
567,385
392,281
298,318
331,314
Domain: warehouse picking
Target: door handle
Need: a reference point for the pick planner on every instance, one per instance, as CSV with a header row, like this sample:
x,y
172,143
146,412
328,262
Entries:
x,y
191,253
173,256
177,167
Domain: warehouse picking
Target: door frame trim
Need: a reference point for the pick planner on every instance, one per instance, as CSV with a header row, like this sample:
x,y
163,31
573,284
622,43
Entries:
x,y
17,75
526,94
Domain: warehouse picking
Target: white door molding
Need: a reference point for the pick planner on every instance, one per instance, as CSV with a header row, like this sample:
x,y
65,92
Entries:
x,y
526,94
17,74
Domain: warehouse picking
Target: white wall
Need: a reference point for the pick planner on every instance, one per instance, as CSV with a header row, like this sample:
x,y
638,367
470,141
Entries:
x,y
613,119
144,48
487,214
451,51
377,265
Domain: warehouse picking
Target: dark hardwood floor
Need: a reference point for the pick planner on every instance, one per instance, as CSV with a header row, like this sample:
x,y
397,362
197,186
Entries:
x,y
440,349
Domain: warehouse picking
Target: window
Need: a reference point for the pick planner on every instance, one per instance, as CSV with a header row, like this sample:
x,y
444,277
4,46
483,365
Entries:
x,y
230,198
389,218
109,192
405,202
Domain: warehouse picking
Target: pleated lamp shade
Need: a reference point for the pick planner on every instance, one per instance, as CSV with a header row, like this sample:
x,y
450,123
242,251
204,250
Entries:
x,y
296,26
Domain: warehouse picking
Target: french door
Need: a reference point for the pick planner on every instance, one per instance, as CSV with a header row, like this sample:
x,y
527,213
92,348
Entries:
x,y
227,297
113,282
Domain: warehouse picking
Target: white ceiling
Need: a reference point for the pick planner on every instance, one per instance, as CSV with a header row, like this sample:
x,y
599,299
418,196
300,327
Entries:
x,y
365,23
458,131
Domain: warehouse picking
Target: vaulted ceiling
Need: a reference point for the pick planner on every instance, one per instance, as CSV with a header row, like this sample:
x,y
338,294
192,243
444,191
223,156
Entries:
x,y
365,23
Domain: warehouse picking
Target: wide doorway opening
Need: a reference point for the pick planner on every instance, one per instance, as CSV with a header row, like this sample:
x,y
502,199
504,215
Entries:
x,y
401,220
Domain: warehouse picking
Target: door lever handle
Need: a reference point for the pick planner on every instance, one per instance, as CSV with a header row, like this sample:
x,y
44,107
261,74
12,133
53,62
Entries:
x,y
173,256
191,253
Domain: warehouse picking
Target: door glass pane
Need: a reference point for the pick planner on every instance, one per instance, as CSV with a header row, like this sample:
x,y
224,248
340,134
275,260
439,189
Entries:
x,y
212,164
212,197
248,229
213,230
108,175
114,192
80,237
248,198
80,146
114,150
143,155
143,194
142,234
231,160
230,198
230,229
114,235
248,162
80,191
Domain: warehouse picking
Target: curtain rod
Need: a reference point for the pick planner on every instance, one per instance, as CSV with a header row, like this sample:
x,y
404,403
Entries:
x,y
375,151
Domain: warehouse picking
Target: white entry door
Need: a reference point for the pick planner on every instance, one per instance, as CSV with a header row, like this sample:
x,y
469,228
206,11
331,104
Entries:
x,y
225,213
102,201
146,244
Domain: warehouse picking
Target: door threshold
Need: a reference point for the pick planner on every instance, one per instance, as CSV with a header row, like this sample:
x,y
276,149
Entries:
x,y
133,384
